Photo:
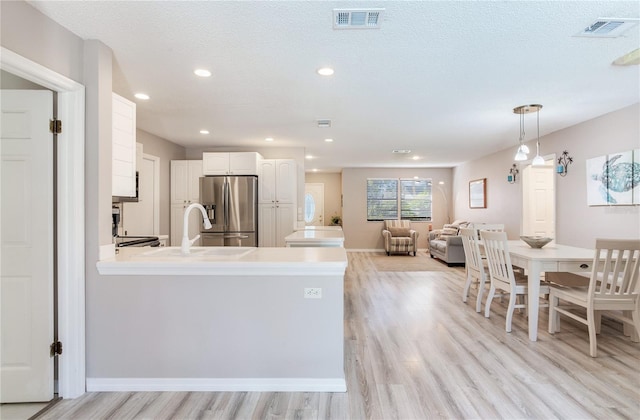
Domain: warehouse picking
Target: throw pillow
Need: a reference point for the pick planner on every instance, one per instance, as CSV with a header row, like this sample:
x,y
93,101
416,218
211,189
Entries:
x,y
399,231
449,232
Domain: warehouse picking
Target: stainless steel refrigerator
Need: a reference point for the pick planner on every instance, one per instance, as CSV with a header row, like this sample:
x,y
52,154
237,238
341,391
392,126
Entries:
x,y
232,207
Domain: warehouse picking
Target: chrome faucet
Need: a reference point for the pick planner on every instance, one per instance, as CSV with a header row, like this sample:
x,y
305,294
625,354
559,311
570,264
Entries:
x,y
186,242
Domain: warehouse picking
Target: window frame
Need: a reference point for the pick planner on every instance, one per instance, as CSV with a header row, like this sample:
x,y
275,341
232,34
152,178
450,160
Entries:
x,y
399,199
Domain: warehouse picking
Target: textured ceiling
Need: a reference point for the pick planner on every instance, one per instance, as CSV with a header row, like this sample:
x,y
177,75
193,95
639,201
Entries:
x,y
438,78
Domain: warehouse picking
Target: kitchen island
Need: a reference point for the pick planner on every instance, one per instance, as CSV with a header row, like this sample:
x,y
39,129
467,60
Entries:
x,y
220,319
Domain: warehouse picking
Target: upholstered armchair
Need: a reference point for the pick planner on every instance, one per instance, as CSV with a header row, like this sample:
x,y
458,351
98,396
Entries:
x,y
399,237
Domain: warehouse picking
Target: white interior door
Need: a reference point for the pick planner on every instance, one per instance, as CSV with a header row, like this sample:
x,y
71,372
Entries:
x,y
314,204
142,218
26,232
539,203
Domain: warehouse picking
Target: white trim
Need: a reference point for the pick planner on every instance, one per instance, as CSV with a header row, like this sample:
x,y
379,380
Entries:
x,y
70,219
217,384
156,191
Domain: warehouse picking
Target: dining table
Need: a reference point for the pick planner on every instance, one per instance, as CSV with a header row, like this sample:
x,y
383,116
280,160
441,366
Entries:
x,y
550,258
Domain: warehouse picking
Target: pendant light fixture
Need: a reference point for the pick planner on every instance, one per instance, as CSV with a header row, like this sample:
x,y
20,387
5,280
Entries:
x,y
538,160
523,150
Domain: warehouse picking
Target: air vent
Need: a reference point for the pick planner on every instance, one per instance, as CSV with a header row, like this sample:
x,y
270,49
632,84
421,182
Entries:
x,y
357,18
324,123
608,28
401,151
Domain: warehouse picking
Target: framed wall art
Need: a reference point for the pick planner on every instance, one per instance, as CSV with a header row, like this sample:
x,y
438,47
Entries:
x,y
478,194
614,179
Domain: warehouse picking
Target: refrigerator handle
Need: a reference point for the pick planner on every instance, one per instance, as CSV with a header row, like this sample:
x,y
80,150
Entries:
x,y
226,202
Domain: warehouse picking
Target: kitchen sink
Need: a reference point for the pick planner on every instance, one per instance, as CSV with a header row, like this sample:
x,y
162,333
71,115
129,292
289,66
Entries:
x,y
213,251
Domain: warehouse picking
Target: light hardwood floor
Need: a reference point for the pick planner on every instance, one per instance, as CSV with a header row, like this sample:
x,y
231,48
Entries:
x,y
413,350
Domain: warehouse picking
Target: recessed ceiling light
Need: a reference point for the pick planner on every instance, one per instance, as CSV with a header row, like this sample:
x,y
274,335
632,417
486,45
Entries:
x,y
269,139
315,170
202,72
440,182
204,131
329,140
415,157
325,71
308,157
142,96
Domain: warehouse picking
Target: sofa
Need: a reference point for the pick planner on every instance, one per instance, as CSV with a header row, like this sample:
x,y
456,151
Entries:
x,y
445,244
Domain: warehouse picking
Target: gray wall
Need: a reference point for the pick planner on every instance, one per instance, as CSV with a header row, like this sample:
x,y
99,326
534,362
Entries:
x,y
332,192
360,234
26,31
166,151
576,223
213,327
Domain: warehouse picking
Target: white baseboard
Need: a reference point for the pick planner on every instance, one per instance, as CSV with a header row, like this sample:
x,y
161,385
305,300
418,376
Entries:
x,y
217,384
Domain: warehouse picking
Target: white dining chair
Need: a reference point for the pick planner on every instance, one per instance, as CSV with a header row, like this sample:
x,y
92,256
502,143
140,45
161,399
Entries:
x,y
612,287
474,263
502,275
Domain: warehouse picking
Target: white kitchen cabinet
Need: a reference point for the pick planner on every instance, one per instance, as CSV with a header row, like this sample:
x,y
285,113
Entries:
x,y
232,163
276,221
277,194
277,181
123,147
185,181
185,190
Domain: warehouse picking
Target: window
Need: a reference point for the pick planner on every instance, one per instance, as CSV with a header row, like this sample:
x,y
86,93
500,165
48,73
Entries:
x,y
309,208
415,199
390,197
382,199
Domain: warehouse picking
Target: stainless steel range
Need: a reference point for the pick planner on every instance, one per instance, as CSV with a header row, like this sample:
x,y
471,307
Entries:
x,y
122,241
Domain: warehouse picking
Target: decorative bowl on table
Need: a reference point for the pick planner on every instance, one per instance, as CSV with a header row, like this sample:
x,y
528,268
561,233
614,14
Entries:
x,y
536,241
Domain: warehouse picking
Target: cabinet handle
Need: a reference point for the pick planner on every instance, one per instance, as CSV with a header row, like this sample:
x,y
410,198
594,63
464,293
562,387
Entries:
x,y
584,265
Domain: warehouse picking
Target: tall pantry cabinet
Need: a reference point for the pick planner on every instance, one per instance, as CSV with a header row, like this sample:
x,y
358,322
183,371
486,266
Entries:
x,y
185,190
277,193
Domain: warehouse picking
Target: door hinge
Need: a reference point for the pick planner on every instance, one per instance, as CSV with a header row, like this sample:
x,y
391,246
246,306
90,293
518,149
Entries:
x,y
55,348
55,126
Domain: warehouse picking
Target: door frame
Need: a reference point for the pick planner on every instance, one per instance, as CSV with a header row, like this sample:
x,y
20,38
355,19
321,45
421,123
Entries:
x,y
526,185
70,217
156,191
315,184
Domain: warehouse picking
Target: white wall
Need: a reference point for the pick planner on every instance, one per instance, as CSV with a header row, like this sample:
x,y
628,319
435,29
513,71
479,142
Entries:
x,y
360,234
576,223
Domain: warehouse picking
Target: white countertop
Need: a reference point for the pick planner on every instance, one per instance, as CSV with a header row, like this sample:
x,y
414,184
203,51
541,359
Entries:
x,y
236,261
335,228
315,236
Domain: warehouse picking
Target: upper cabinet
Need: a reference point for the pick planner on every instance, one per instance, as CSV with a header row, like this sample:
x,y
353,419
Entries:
x,y
185,181
123,146
234,163
277,181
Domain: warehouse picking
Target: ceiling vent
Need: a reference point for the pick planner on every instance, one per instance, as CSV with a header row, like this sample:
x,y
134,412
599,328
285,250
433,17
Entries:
x,y
324,123
357,18
401,151
607,28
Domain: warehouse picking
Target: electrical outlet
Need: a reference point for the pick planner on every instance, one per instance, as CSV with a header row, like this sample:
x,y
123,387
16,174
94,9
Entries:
x,y
312,293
